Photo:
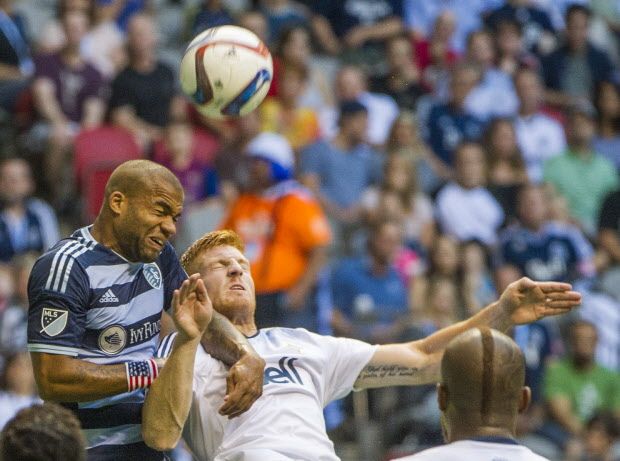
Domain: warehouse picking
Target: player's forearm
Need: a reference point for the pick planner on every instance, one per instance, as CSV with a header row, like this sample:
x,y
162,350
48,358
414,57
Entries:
x,y
224,342
169,398
66,379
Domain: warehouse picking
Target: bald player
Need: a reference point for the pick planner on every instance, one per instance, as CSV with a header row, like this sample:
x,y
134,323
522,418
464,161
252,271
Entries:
x,y
96,302
481,393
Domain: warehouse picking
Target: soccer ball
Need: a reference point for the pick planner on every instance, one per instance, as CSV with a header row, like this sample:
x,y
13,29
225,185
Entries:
x,y
226,71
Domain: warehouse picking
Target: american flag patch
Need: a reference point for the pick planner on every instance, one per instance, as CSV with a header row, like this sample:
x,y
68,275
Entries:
x,y
141,374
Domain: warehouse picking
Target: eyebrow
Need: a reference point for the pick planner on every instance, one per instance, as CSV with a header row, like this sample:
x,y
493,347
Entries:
x,y
167,208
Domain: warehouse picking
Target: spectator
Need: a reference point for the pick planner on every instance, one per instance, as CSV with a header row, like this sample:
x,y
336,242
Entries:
x,y
403,78
511,52
282,14
255,21
51,38
103,45
143,94
434,53
575,387
360,27
14,316
196,173
420,17
204,15
539,136
450,124
45,432
283,226
573,71
600,434
293,50
17,387
231,164
465,208
539,248
414,207
68,96
26,223
478,287
506,168
283,115
581,175
16,65
538,30
442,306
370,298
352,85
609,243
325,163
607,139
494,95
404,141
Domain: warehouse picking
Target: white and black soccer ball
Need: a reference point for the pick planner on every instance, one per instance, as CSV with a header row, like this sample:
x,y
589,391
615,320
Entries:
x,y
226,71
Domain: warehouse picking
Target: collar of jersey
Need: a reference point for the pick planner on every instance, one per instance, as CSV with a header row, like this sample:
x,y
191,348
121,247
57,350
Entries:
x,y
495,439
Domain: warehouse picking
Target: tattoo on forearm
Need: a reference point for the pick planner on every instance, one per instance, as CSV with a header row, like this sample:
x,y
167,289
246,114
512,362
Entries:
x,y
387,371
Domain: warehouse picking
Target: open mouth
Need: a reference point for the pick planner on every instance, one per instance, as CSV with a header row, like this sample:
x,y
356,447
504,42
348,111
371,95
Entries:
x,y
237,287
158,242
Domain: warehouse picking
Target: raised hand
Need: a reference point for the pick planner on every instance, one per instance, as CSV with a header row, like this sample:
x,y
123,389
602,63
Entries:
x,y
526,301
191,308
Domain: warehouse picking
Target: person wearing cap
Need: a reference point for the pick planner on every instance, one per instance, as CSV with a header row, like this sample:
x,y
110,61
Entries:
x,y
286,234
582,176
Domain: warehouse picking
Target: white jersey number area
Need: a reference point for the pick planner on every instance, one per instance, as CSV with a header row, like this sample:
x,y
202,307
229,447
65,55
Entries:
x,y
303,373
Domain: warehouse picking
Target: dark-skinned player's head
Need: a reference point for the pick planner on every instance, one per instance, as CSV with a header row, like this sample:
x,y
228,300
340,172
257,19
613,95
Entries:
x,y
482,387
142,203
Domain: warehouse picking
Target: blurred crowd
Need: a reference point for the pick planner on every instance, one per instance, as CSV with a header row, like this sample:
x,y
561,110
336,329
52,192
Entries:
x,y
412,158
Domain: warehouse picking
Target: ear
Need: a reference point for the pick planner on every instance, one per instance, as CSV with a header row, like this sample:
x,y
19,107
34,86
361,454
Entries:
x,y
526,398
117,201
442,397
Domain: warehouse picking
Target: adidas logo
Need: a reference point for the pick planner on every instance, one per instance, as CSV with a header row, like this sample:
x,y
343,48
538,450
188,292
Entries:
x,y
108,297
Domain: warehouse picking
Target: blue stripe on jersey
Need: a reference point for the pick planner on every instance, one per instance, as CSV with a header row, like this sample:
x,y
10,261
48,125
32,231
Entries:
x,y
136,451
111,415
150,302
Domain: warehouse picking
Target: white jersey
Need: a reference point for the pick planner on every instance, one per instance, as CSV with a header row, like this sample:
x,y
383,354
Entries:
x,y
303,373
473,450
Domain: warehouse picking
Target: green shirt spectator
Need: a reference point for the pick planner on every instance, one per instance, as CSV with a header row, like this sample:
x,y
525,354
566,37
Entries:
x,y
587,390
580,175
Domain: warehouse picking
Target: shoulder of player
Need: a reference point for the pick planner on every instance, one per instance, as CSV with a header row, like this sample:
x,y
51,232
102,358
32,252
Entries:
x,y
71,248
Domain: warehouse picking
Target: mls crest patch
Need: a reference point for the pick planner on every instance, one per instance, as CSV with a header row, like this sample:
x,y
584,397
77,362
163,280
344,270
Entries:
x,y
53,321
152,274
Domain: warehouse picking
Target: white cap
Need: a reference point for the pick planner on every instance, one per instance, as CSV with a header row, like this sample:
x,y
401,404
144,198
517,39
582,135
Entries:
x,y
272,147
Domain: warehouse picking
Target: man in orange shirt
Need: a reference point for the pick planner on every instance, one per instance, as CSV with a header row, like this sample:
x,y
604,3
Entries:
x,y
286,235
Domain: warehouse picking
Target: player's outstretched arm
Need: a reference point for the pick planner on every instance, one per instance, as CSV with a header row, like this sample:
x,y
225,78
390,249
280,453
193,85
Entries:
x,y
61,378
418,362
169,398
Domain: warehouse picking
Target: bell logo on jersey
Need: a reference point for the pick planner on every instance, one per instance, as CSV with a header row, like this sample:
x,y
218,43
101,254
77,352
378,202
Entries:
x,y
285,373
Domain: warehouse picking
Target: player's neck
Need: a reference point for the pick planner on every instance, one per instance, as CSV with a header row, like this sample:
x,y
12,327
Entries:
x,y
104,236
466,432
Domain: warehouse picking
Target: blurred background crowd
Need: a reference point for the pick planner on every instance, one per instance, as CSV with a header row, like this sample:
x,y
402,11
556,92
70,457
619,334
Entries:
x,y
413,158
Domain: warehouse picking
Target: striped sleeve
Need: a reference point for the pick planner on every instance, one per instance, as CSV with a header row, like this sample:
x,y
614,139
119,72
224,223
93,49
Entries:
x,y
58,294
165,346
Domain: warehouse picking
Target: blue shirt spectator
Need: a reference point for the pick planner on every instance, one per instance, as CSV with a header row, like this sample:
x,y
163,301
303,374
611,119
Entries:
x,y
340,170
534,21
370,297
209,14
541,249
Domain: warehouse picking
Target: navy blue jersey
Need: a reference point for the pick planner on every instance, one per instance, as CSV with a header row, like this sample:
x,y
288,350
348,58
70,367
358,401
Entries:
x,y
88,302
557,252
